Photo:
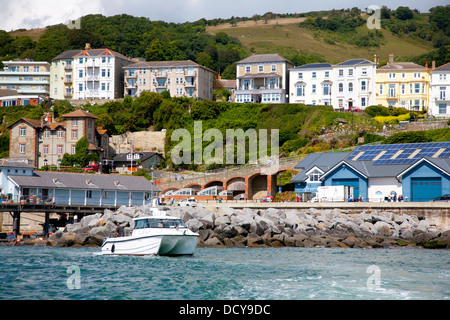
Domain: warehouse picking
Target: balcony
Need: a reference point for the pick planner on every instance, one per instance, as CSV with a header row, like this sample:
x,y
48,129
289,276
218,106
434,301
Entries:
x,y
130,85
189,83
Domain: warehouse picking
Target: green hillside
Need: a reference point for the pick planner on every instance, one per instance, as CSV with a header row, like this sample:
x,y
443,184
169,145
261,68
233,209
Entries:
x,y
338,35
333,36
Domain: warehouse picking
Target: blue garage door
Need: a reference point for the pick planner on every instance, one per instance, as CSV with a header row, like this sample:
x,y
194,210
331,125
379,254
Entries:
x,y
348,182
425,189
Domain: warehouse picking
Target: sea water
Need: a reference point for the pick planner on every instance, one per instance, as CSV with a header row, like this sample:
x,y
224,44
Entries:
x,y
47,273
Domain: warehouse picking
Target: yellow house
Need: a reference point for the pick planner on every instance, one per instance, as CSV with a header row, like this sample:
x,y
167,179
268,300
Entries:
x,y
403,84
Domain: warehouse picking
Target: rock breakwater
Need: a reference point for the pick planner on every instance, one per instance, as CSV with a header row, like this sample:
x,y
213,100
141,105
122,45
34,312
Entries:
x,y
228,227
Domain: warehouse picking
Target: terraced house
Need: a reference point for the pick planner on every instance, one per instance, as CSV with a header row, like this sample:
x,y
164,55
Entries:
x,y
263,78
440,91
403,84
354,84
181,78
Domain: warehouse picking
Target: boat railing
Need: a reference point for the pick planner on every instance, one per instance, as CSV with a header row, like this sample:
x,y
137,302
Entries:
x,y
126,233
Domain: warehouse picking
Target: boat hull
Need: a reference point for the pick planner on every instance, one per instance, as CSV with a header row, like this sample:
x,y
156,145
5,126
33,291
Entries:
x,y
151,245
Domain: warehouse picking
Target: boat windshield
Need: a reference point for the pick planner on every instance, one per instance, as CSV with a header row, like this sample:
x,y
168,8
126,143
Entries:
x,y
159,223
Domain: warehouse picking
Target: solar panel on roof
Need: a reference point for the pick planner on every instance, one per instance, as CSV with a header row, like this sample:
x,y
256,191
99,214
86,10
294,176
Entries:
x,y
384,153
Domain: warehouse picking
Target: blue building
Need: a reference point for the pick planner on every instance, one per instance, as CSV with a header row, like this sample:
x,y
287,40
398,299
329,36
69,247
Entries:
x,y
19,182
415,171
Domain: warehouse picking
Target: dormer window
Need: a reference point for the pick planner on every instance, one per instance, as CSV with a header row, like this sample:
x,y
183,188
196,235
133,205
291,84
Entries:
x,y
89,182
117,183
56,180
314,176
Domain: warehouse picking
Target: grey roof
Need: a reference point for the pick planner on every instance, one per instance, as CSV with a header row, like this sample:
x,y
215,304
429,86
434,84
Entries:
x,y
353,62
314,66
62,180
165,64
402,66
7,163
322,160
256,58
149,64
371,168
445,67
67,54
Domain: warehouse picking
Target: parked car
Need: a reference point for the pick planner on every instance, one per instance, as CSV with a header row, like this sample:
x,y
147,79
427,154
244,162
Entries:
x,y
91,167
444,198
190,202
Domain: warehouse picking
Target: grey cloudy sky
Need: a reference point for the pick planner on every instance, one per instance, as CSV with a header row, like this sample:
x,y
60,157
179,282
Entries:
x,y
28,14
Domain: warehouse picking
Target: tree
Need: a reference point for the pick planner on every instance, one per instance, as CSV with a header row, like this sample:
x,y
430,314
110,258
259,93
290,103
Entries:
x,y
440,18
403,13
205,60
81,155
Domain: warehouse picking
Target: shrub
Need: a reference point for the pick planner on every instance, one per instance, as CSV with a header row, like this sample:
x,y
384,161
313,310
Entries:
x,y
386,120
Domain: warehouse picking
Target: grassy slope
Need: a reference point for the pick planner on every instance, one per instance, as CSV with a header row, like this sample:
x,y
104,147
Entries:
x,y
285,37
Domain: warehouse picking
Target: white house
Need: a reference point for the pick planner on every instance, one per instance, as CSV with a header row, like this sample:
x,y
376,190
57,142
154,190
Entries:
x,y
439,105
311,84
98,74
354,84
88,74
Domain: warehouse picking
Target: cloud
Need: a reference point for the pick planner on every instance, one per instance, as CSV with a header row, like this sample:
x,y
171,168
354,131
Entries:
x,y
29,14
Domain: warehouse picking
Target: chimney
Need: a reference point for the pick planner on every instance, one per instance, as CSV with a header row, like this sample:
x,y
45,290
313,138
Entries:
x,y
391,58
88,46
433,65
49,118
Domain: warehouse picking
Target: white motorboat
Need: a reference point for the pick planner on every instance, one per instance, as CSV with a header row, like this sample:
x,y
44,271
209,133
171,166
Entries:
x,y
155,234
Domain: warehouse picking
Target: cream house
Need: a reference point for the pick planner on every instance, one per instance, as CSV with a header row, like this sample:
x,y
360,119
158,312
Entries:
x,y
183,78
403,84
263,78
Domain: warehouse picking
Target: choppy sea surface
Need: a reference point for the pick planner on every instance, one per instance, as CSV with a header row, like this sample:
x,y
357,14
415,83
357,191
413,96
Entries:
x,y
43,273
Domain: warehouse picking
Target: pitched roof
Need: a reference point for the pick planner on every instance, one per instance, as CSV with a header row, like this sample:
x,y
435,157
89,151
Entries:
x,y
32,122
444,67
7,163
8,92
379,160
101,52
314,66
69,54
353,62
257,58
402,66
322,160
79,114
58,180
